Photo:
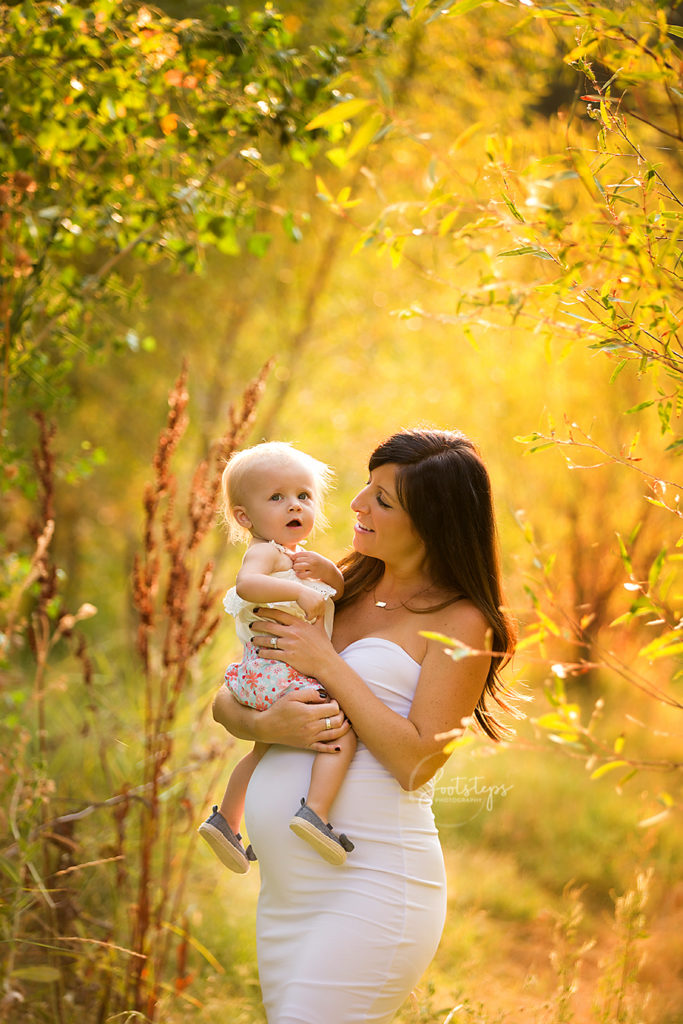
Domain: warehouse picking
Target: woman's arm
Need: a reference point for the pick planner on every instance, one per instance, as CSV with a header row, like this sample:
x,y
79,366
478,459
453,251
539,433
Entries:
x,y
295,720
447,692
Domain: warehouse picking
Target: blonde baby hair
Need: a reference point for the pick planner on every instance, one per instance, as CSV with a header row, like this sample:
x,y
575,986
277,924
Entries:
x,y
241,464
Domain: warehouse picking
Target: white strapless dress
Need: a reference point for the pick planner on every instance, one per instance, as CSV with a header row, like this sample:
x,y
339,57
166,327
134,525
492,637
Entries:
x,y
345,945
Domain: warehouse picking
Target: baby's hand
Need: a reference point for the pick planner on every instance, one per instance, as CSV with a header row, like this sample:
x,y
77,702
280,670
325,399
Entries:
x,y
308,564
311,603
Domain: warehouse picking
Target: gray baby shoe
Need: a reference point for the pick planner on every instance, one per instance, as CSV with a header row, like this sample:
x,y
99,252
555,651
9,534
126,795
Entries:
x,y
312,829
226,844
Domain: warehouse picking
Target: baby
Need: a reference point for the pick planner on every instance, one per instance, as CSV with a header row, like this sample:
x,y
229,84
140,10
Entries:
x,y
272,494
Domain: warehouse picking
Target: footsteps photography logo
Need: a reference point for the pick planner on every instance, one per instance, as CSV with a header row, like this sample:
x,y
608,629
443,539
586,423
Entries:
x,y
459,799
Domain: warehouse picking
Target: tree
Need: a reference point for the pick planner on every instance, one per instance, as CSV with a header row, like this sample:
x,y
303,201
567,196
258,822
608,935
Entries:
x,y
573,243
131,139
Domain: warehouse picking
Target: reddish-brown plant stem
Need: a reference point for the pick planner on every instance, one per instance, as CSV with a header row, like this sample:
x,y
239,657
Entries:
x,y
175,601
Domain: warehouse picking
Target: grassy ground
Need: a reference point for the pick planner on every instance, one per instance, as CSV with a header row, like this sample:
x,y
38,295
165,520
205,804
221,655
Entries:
x,y
540,860
536,855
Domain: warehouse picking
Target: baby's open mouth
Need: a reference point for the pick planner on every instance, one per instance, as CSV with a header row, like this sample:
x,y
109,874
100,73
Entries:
x,y
294,522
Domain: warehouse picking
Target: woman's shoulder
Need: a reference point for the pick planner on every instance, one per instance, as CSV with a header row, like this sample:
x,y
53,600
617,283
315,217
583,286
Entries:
x,y
462,620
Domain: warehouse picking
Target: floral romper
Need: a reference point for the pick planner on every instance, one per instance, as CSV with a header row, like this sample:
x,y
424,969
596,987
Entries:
x,y
258,682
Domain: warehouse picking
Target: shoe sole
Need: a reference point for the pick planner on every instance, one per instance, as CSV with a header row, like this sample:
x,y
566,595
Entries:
x,y
328,848
223,848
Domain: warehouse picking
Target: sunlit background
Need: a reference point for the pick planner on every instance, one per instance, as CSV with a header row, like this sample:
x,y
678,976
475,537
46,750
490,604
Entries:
x,y
488,244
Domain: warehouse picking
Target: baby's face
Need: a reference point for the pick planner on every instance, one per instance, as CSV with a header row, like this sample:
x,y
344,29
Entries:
x,y
281,503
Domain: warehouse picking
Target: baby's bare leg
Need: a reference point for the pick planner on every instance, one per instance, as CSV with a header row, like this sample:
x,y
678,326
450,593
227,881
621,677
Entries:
x,y
232,804
328,774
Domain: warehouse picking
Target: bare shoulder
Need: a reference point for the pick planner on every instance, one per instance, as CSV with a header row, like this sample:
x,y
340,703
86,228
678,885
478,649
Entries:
x,y
263,557
462,621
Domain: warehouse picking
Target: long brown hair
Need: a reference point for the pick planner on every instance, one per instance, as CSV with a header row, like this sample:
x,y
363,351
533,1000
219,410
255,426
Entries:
x,y
443,485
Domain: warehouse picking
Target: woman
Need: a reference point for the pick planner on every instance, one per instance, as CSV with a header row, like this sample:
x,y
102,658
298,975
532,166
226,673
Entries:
x,y
347,944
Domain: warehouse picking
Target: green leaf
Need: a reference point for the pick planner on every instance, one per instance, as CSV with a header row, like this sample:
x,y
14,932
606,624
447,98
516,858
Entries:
x,y
625,557
617,370
527,250
259,243
556,723
641,405
454,10
6,865
512,208
42,973
665,646
626,778
656,569
418,7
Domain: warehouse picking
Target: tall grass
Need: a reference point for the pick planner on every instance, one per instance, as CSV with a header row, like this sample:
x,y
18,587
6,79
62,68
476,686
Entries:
x,y
108,912
93,920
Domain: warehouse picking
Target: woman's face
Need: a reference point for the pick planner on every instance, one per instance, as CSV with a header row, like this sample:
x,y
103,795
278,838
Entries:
x,y
383,528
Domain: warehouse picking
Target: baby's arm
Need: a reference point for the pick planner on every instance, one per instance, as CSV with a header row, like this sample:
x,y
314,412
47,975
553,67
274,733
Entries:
x,y
311,565
255,583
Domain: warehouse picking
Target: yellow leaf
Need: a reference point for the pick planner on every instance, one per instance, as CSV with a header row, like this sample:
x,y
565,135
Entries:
x,y
396,251
665,646
608,767
344,111
533,638
467,134
441,637
365,134
548,622
322,189
582,168
337,156
580,51
447,221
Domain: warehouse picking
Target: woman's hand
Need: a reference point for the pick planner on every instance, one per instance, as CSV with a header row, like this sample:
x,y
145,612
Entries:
x,y
304,718
303,645
298,719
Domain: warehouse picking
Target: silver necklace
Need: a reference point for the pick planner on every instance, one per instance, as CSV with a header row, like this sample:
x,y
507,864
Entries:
x,y
402,604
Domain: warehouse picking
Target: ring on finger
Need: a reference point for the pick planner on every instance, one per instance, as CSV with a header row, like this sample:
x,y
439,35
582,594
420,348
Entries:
x,y
273,643
328,723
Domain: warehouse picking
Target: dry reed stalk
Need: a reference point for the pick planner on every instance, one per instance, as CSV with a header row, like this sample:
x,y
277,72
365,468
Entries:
x,y
45,907
175,601
45,571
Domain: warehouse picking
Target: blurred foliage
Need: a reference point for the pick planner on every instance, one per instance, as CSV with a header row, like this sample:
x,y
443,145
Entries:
x,y
465,214
571,236
131,138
